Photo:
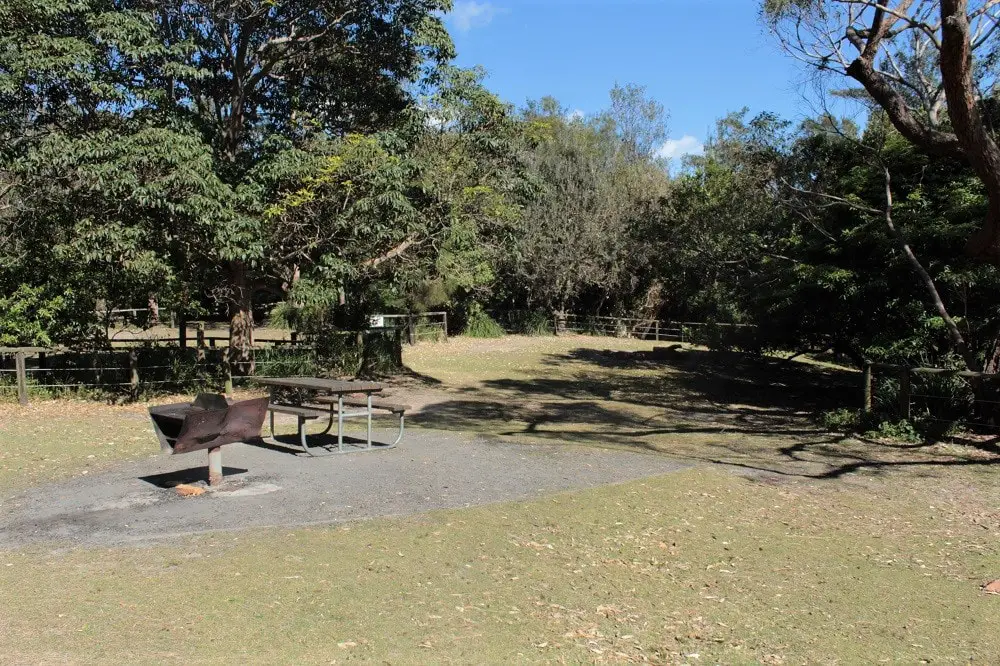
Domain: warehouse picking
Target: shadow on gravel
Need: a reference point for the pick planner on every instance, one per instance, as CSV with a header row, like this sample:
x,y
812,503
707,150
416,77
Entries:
x,y
193,475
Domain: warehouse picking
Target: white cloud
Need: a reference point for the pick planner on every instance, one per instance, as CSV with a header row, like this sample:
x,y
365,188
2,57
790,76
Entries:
x,y
469,14
576,114
676,148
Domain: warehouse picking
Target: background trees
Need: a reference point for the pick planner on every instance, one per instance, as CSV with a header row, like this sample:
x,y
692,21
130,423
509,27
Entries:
x,y
322,159
928,64
155,130
581,240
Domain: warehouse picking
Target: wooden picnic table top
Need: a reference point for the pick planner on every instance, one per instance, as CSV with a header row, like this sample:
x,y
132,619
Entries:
x,y
334,386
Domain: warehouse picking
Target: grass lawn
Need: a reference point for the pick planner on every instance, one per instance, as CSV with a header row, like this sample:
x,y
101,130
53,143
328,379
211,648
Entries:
x,y
56,439
699,563
715,407
832,550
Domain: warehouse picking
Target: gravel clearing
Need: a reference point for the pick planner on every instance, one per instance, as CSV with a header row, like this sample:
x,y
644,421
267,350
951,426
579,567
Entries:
x,y
273,486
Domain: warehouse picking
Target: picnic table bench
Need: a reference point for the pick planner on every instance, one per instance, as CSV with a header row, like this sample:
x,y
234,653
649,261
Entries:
x,y
332,399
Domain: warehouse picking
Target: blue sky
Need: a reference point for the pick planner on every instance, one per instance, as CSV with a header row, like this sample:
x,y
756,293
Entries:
x,y
700,58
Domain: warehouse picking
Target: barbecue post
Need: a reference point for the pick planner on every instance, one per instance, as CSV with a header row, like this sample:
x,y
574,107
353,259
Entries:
x,y
215,466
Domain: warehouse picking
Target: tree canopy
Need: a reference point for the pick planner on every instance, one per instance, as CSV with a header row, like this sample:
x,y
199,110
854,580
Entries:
x,y
319,160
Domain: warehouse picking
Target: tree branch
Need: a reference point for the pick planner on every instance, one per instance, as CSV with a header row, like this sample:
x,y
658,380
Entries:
x,y
397,251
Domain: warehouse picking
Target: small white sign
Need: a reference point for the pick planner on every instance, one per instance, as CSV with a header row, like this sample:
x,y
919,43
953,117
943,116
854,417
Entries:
x,y
376,321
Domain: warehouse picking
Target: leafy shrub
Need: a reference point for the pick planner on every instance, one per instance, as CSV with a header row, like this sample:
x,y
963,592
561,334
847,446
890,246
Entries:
x,y
478,324
841,420
536,323
528,322
369,354
28,316
901,431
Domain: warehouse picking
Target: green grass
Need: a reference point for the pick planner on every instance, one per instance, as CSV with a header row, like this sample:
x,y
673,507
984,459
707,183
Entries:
x,y
695,563
52,439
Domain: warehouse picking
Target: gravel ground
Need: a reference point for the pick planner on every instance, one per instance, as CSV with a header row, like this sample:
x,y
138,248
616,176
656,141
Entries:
x,y
270,486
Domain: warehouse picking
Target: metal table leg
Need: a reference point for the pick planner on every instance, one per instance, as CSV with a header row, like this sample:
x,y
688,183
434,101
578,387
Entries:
x,y
369,420
340,422
302,435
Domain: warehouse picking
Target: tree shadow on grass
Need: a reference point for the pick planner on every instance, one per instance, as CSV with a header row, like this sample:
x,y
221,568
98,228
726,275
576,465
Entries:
x,y
726,408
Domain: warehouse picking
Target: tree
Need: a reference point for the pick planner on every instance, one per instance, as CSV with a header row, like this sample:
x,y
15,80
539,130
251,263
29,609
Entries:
x,y
185,110
580,241
913,58
721,220
639,121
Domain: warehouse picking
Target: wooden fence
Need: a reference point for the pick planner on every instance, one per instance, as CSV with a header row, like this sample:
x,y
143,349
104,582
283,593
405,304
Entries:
x,y
656,330
130,367
937,395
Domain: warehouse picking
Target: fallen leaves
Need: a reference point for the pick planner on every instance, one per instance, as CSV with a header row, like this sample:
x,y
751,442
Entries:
x,y
186,490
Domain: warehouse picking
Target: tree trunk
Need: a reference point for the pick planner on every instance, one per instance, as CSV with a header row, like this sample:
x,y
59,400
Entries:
x,y
154,311
992,364
241,354
954,334
963,110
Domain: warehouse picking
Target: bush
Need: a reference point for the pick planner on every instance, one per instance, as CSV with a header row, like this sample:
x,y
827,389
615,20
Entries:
x,y
478,324
842,420
369,354
902,431
528,322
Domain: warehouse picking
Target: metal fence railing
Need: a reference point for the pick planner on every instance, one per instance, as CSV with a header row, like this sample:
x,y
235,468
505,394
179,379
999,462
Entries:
x,y
417,327
656,330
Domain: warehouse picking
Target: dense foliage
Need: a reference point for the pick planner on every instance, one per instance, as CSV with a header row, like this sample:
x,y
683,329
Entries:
x,y
319,160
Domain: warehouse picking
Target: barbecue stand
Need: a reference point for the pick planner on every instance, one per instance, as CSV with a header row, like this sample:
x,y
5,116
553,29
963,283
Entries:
x,y
208,423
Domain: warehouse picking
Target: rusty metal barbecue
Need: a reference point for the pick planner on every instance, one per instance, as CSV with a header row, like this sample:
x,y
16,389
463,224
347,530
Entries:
x,y
208,423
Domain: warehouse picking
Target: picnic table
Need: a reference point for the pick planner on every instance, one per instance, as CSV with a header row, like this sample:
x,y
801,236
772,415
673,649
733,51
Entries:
x,y
316,397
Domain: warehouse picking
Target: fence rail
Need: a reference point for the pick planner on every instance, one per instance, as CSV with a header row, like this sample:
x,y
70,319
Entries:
x,y
942,396
419,327
145,365
657,330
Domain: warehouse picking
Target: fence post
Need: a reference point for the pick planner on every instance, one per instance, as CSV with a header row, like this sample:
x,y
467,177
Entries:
x,y
294,337
201,340
22,378
656,325
866,385
904,392
133,367
182,331
445,315
412,328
